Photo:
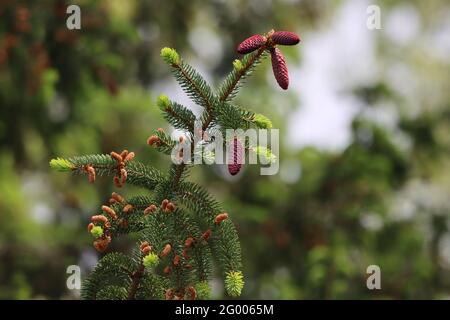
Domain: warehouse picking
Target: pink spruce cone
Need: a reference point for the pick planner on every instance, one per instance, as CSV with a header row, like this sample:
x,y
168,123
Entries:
x,y
251,44
279,68
235,158
286,38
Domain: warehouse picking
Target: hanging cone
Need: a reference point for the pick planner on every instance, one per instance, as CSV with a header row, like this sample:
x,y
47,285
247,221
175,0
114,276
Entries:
x,y
235,158
279,68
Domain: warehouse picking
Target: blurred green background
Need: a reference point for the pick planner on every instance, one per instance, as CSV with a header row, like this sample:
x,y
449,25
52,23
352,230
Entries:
x,y
365,127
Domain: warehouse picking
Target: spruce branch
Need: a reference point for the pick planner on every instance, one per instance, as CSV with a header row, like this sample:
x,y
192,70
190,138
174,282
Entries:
x,y
230,86
112,269
176,114
136,278
189,79
138,174
111,292
180,227
225,243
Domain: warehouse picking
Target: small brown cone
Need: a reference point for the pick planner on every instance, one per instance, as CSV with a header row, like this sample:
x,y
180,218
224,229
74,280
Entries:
x,y
167,270
153,141
117,197
206,235
102,243
109,211
144,244
146,250
164,204
127,209
150,209
191,292
176,260
188,242
116,156
166,250
221,217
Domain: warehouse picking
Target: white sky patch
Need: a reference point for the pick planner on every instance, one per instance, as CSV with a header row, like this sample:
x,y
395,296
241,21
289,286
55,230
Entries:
x,y
290,171
207,45
444,249
403,24
335,58
438,42
41,213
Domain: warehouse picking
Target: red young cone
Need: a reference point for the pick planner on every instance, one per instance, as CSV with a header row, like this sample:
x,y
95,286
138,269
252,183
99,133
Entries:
x,y
220,217
285,38
251,44
279,68
235,159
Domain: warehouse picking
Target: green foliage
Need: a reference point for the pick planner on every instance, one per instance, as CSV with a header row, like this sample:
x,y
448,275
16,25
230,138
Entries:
x,y
231,117
261,121
150,261
166,143
265,154
234,282
237,64
203,290
179,222
61,165
191,81
112,270
242,69
180,117
92,96
97,231
170,56
163,102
